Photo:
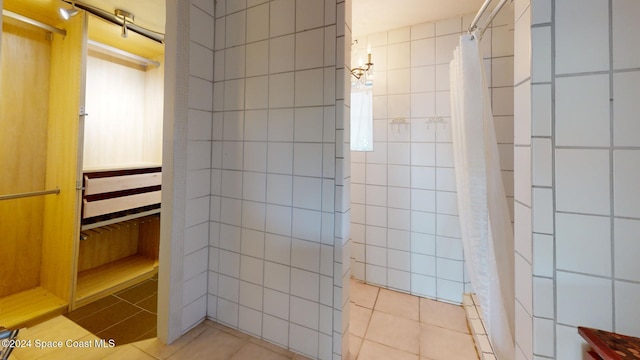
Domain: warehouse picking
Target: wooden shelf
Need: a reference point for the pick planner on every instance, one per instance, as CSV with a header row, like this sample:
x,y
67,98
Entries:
x,y
96,283
29,307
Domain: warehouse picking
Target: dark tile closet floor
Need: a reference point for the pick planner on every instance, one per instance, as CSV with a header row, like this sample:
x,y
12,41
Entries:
x,y
126,316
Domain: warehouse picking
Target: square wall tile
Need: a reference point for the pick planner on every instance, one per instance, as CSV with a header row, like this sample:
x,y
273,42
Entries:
x,y
594,296
281,54
543,251
276,276
280,158
236,29
626,175
540,11
582,181
280,126
309,48
399,56
583,244
423,285
541,110
399,35
582,36
520,46
282,17
582,111
522,112
201,27
445,46
542,156
625,24
569,343
257,60
524,284
543,337
524,334
275,330
522,174
627,246
309,90
307,224
423,52
281,90
277,249
421,31
543,297
626,91
626,308
303,340
542,210
541,54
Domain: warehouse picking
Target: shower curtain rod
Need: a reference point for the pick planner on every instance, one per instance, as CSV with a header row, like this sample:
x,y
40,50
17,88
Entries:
x,y
31,21
483,9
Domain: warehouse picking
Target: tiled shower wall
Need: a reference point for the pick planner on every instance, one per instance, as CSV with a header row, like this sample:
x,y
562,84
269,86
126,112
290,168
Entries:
x,y
405,229
578,262
278,174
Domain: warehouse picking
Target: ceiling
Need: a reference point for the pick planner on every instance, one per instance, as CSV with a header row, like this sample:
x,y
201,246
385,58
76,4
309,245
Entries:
x,y
372,16
149,14
369,16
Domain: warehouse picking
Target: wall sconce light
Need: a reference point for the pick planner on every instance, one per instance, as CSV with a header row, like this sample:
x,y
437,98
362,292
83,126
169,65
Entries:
x,y
66,14
359,71
125,16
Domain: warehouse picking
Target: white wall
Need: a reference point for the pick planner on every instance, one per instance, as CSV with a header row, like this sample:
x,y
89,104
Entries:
x,y
579,206
277,174
124,100
405,228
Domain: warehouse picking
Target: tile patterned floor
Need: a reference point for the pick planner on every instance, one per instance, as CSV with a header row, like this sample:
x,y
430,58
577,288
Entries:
x,y
126,316
391,325
384,325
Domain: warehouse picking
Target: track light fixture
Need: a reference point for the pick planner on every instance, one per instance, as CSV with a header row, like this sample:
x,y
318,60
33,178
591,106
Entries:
x,y
124,16
66,14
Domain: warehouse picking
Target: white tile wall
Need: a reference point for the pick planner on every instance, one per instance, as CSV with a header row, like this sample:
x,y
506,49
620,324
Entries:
x,y
582,36
583,249
403,193
277,215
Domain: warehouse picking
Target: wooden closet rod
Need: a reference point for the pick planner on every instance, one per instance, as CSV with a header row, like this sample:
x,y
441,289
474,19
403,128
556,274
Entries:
x,y
31,21
29,194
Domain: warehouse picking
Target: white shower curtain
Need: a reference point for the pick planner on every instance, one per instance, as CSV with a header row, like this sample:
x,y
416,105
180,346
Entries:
x,y
487,234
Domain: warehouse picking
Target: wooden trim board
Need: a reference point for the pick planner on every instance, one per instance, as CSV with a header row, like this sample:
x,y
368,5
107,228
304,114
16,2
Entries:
x,y
30,307
96,283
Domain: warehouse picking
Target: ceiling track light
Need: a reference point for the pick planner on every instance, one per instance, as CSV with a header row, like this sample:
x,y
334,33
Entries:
x,y
66,14
125,16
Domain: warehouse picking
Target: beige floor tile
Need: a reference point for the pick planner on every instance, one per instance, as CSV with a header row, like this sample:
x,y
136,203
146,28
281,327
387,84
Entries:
x,y
85,348
158,349
374,351
273,347
57,329
363,295
359,320
393,302
252,351
394,331
443,344
225,345
354,346
129,352
444,315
